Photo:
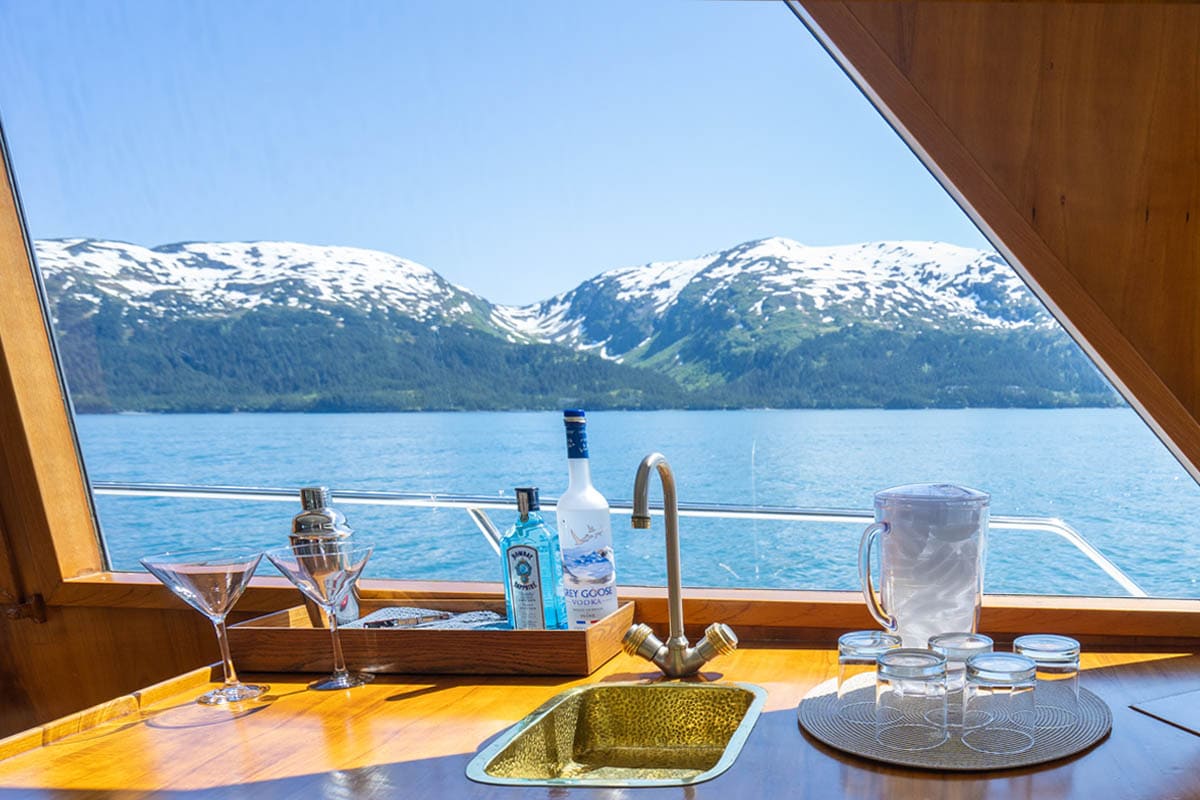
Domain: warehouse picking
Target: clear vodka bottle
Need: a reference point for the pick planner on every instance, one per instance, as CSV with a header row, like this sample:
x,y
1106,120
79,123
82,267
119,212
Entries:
x,y
585,534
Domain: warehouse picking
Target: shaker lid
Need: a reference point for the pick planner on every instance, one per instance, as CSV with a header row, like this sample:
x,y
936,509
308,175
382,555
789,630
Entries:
x,y
314,497
940,493
318,516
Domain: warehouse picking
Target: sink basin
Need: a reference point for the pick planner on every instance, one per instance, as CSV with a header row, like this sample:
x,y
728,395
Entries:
x,y
625,734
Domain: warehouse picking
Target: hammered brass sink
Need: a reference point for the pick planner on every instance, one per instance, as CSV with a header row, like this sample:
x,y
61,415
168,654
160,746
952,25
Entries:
x,y
625,734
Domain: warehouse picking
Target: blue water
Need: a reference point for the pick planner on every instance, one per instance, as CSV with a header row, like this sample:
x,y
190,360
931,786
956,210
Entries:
x,y
1101,470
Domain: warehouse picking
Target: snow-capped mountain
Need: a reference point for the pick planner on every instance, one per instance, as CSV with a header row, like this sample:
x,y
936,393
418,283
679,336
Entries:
x,y
885,283
782,284
281,325
212,279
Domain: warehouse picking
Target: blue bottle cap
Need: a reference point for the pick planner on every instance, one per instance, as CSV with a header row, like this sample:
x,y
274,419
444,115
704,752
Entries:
x,y
576,426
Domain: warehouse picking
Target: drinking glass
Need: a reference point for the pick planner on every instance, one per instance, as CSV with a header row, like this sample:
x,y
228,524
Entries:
x,y
957,648
999,693
325,572
1057,659
857,653
211,581
910,699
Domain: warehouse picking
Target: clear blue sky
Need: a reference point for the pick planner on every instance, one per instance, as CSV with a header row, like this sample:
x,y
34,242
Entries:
x,y
515,147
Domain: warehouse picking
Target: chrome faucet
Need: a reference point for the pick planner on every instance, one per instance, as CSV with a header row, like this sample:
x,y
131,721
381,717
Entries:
x,y
674,658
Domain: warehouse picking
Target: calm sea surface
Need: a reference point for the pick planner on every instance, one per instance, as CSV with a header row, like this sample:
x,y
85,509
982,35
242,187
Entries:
x,y
1101,470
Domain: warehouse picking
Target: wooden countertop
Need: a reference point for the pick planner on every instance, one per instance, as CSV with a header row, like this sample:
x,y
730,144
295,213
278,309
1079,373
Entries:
x,y
412,736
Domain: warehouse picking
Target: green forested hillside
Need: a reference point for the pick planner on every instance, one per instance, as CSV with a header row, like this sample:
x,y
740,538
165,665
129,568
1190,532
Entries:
x,y
275,358
300,360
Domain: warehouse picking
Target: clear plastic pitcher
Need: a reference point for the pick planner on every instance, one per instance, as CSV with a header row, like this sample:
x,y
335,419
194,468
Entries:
x,y
932,544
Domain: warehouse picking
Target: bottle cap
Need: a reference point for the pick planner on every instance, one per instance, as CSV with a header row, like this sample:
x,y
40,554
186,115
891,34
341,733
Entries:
x,y
576,425
527,500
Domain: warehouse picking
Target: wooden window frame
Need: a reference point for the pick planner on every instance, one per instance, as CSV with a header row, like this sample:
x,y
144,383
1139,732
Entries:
x,y
50,546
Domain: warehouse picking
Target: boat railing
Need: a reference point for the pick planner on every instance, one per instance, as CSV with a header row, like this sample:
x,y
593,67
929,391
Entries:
x,y
476,507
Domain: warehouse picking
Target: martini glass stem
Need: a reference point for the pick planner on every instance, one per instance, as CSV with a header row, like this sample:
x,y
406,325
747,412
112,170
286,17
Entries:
x,y
231,678
339,660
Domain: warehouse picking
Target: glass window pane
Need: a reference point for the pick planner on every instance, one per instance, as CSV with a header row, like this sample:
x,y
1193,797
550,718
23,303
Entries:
x,y
376,246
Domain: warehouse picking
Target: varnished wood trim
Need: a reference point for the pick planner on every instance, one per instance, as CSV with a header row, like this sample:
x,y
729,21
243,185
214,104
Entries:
x,y
45,505
756,614
819,617
879,78
265,593
139,590
173,686
89,718
20,742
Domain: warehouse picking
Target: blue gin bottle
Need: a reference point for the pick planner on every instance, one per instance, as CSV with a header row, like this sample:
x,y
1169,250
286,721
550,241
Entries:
x,y
533,583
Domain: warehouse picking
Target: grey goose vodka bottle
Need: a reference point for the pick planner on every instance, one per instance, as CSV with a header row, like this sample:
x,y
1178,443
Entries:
x,y
585,535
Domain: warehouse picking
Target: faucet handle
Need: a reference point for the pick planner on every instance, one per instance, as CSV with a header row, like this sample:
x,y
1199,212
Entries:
x,y
640,641
719,640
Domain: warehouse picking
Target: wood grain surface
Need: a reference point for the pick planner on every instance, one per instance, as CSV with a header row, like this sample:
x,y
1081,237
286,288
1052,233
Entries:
x,y
412,737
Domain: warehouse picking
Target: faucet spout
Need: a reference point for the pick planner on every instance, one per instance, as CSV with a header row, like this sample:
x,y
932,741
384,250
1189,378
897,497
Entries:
x,y
675,658
641,519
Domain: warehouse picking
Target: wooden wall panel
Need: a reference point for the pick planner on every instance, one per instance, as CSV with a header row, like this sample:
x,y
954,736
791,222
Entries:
x,y
80,656
83,656
44,501
1071,131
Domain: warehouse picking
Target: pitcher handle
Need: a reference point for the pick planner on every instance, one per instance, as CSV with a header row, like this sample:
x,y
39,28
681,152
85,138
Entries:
x,y
870,534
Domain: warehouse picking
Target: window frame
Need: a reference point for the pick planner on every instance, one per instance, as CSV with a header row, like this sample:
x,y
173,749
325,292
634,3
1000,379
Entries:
x,y
50,546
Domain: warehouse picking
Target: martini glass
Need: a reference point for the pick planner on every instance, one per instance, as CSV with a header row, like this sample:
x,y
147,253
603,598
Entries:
x,y
325,572
211,581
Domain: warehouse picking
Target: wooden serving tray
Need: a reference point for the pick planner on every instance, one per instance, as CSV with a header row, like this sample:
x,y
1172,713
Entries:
x,y
286,641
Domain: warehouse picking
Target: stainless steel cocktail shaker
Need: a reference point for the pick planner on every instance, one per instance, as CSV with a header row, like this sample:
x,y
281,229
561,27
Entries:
x,y
320,523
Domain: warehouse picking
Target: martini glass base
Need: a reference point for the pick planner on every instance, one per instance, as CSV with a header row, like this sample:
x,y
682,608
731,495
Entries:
x,y
347,681
232,694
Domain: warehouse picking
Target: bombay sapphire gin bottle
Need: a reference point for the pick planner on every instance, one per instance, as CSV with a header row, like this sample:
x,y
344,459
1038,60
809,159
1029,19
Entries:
x,y
533,585
585,535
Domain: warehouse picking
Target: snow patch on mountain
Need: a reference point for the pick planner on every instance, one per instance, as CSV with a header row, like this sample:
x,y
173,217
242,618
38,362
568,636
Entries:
x,y
217,278
755,285
885,282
